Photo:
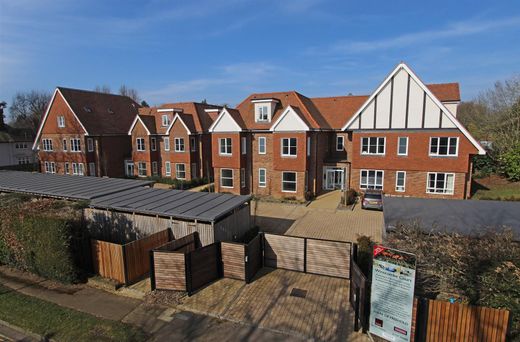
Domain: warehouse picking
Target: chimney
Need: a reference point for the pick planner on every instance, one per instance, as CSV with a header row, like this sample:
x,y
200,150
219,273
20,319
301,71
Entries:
x,y
2,122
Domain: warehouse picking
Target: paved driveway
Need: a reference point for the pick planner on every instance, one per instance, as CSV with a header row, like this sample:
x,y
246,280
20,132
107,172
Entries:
x,y
324,314
317,221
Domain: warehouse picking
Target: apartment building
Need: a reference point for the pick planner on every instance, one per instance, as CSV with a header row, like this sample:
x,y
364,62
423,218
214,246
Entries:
x,y
403,139
85,133
15,143
172,141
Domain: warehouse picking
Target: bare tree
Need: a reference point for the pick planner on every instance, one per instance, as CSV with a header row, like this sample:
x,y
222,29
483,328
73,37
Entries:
x,y
103,89
28,108
130,92
502,96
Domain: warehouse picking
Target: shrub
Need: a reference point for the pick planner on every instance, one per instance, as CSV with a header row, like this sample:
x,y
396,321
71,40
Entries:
x,y
510,164
42,237
483,166
364,253
478,270
180,184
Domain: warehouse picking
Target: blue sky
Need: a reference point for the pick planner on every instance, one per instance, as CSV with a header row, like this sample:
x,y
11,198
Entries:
x,y
223,50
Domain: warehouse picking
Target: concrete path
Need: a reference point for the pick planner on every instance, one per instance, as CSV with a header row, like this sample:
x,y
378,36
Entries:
x,y
329,200
78,297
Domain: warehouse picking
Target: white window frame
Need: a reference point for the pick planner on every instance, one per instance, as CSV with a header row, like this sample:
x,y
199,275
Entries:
x,y
437,154
244,145
368,153
177,171
242,178
165,120
61,121
400,188
75,145
139,169
64,145
193,144
399,145
295,181
338,138
232,179
47,145
166,142
367,185
155,168
75,169
90,145
445,190
92,169
153,144
228,143
178,143
289,146
66,168
81,168
262,113
141,145
262,149
167,168
262,184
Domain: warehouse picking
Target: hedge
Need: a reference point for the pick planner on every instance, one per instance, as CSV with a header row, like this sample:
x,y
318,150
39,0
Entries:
x,y
41,236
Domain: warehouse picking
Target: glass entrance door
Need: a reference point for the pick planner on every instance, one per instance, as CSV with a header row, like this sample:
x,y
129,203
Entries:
x,y
334,178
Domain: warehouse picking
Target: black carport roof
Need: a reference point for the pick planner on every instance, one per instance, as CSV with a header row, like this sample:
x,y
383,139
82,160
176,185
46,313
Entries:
x,y
181,204
468,217
64,186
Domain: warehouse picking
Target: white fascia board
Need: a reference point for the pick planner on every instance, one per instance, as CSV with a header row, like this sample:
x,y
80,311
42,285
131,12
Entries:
x,y
38,134
264,100
284,114
138,118
163,110
177,116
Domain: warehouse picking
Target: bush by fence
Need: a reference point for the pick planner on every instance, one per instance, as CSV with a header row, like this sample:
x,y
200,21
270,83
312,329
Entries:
x,y
483,270
41,236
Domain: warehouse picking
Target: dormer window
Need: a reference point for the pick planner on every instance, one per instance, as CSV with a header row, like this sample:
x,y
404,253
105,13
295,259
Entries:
x,y
264,109
165,120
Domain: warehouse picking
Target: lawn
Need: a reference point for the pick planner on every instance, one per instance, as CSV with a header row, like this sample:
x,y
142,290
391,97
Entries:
x,y
59,323
495,188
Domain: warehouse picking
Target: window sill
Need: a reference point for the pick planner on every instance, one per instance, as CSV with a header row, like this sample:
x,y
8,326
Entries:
x,y
440,193
289,156
436,156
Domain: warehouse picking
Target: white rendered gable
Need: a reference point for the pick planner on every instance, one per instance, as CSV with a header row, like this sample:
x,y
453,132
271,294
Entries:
x,y
403,101
289,121
225,123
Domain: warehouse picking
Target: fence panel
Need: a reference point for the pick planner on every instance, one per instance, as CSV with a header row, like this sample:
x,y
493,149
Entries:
x,y
330,258
359,286
204,266
233,260
169,270
459,322
254,257
137,254
286,252
108,260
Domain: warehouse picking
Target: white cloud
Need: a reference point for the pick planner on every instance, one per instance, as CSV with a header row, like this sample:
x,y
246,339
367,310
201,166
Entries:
x,y
463,28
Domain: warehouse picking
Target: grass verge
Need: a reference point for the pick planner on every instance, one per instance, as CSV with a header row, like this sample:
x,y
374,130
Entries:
x,y
501,192
59,323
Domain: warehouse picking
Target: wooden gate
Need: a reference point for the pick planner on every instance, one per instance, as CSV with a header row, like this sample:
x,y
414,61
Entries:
x,y
253,258
317,256
203,266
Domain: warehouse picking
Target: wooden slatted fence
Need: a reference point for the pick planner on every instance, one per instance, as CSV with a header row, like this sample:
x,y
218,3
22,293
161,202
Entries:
x,y
254,257
126,263
233,260
203,266
287,252
459,322
108,260
169,270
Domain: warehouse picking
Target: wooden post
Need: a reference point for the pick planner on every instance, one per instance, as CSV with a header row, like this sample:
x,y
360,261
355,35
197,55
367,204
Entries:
x,y
187,270
152,271
125,266
356,310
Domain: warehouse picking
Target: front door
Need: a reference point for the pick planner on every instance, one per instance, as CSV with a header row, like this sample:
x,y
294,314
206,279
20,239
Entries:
x,y
334,178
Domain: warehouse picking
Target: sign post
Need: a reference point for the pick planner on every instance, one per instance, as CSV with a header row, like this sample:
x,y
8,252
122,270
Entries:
x,y
391,299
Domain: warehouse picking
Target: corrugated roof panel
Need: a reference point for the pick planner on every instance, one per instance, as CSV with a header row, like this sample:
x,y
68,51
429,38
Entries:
x,y
65,186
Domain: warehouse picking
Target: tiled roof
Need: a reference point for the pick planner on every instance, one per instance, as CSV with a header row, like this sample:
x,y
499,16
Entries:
x,y
324,112
445,92
10,134
193,114
101,113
